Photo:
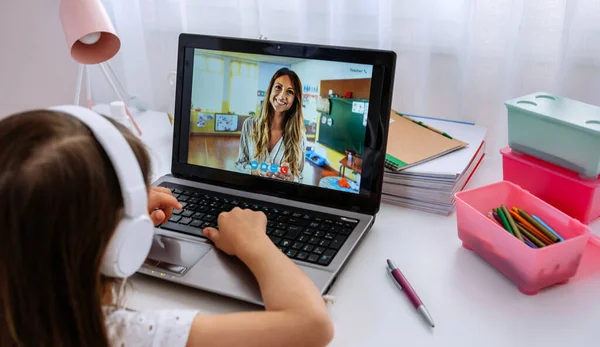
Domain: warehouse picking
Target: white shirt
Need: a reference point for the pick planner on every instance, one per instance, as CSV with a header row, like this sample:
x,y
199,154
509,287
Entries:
x,y
127,328
246,151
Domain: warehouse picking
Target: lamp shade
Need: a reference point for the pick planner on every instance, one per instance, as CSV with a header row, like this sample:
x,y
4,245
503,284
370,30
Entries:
x,y
88,31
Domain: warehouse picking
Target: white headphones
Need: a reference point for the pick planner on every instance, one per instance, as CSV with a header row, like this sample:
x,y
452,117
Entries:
x,y
131,242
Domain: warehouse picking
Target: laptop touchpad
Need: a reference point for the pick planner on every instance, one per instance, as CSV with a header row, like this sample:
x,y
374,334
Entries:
x,y
175,255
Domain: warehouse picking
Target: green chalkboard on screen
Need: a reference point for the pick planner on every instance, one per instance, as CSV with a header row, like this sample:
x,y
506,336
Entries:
x,y
344,128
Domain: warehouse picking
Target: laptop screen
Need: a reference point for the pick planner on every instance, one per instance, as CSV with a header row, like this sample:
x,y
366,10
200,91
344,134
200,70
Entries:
x,y
300,121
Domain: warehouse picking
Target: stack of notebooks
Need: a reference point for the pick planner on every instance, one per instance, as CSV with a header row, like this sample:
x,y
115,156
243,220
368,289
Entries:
x,y
425,166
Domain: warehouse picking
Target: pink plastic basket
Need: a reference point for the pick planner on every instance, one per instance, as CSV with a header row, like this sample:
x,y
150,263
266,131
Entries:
x,y
561,188
530,269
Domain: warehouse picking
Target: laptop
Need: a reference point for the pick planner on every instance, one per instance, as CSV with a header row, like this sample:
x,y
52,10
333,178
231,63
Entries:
x,y
317,177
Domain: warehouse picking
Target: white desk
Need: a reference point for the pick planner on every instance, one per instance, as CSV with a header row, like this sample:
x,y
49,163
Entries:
x,y
471,303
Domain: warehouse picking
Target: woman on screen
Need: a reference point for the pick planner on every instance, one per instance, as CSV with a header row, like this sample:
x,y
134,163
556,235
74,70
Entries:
x,y
273,144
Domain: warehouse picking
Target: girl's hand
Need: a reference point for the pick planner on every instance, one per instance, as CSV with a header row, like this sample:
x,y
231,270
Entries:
x,y
161,203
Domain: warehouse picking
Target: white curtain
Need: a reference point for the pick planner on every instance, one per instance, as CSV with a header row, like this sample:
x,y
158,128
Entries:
x,y
458,59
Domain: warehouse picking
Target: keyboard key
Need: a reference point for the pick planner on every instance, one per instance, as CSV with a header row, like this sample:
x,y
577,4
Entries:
x,y
298,245
297,215
175,196
302,256
174,219
318,220
214,211
177,191
314,240
281,226
187,192
265,209
275,240
339,224
270,231
274,210
313,258
279,232
285,243
271,216
209,218
187,213
282,219
182,228
283,249
337,242
194,200
183,204
196,223
293,232
286,213
291,253
345,231
185,220
308,248
330,236
324,227
195,194
306,217
319,233
192,207
313,225
206,225
349,226
324,243
303,238
176,212
319,250
328,221
326,258
335,229
198,215
308,232
183,198
235,202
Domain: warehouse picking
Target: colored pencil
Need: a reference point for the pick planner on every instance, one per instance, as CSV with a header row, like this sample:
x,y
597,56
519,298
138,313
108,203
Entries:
x,y
538,226
531,238
504,220
512,223
530,227
539,220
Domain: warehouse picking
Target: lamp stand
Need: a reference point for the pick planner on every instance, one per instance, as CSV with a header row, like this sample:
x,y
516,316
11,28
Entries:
x,y
86,68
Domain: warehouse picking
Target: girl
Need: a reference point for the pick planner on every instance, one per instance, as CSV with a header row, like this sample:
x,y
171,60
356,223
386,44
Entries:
x,y
277,135
60,202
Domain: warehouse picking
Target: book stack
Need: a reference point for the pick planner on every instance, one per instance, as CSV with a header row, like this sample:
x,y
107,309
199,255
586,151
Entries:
x,y
430,185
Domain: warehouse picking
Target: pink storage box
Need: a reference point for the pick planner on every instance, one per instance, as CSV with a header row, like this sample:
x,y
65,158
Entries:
x,y
560,187
530,269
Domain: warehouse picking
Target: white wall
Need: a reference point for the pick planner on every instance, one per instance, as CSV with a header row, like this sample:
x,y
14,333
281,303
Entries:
x,y
36,69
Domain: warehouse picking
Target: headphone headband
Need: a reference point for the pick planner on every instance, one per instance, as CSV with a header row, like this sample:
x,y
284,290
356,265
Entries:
x,y
130,244
125,164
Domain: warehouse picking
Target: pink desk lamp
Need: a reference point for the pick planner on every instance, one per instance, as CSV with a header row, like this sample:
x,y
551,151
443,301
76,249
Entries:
x,y
92,40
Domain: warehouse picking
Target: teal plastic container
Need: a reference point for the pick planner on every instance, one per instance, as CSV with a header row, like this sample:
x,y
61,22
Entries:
x,y
558,130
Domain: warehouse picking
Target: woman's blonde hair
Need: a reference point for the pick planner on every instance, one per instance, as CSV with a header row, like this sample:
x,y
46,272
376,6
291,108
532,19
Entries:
x,y
293,124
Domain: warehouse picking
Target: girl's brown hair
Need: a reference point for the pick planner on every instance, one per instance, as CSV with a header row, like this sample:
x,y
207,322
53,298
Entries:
x,y
60,203
293,125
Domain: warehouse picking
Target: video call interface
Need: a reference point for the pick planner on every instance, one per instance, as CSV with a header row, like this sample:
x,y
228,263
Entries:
x,y
286,119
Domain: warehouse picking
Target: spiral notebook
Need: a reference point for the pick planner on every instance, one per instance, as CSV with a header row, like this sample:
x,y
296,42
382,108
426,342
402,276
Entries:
x,y
412,142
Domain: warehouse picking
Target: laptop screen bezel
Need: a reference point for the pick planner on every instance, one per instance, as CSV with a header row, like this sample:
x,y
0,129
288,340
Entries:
x,y
369,197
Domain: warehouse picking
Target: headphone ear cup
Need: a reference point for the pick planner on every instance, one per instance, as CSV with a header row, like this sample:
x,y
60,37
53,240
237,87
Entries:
x,y
128,248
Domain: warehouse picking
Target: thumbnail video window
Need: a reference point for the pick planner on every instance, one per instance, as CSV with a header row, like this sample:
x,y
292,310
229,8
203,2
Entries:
x,y
287,119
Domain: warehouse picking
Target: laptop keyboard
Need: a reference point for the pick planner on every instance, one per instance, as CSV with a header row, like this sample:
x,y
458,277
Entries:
x,y
300,234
